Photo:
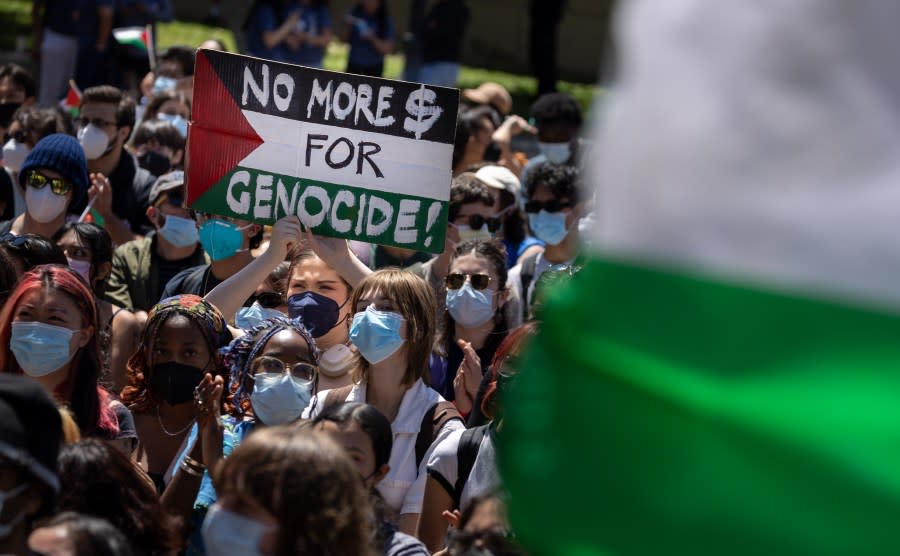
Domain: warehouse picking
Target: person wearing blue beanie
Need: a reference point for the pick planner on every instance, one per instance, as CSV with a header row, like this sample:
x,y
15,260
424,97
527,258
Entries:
x,y
53,178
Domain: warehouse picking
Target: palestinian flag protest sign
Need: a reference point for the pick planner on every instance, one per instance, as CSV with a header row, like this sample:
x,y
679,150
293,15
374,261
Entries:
x,y
723,376
355,157
139,38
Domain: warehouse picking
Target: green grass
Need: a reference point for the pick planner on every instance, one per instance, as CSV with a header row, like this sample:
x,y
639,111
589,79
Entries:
x,y
15,20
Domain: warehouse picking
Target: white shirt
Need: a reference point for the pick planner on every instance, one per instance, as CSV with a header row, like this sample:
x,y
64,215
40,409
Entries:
x,y
514,281
403,488
444,463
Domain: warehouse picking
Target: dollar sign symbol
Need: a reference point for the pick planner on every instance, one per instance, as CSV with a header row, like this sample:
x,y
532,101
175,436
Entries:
x,y
424,114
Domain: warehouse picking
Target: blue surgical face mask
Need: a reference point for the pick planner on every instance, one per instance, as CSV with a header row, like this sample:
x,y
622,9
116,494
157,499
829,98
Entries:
x,y
470,307
180,232
40,348
557,153
248,317
163,83
180,123
279,398
318,312
376,334
220,239
549,227
226,533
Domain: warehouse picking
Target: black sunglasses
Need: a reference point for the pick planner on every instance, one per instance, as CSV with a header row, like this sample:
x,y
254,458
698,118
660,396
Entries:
x,y
552,205
38,180
456,280
269,300
476,221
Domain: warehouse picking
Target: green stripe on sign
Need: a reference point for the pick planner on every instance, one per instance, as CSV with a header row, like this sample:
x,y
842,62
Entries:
x,y
693,417
330,209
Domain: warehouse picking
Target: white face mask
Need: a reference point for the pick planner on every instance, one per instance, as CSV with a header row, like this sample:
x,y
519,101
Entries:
x,y
466,233
336,361
43,205
556,153
93,140
14,154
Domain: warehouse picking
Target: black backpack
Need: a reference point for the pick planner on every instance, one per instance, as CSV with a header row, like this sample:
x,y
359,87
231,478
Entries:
x,y
466,453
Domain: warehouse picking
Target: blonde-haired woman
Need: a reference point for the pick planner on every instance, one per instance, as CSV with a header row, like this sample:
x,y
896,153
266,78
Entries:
x,y
393,329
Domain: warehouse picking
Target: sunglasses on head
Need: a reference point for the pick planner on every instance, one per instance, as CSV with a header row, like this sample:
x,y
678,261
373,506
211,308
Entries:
x,y
267,364
552,205
269,300
38,180
476,221
456,280
14,241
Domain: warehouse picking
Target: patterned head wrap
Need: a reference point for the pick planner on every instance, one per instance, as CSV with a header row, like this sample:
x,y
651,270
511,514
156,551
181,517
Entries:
x,y
240,353
212,323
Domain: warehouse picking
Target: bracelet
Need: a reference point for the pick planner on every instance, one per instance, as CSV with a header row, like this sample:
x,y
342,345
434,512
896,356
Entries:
x,y
194,463
190,470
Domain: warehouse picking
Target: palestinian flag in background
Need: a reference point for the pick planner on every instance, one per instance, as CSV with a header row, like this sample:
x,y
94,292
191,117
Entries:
x,y
140,38
72,100
723,377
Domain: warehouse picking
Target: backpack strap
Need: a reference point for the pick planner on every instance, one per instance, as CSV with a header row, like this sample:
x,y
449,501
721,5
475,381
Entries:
x,y
527,276
466,453
432,422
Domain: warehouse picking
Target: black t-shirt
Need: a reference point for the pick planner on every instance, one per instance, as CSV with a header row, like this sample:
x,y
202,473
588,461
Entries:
x,y
168,270
198,280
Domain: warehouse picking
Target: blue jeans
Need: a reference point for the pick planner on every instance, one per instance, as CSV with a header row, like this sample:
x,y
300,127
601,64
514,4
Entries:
x,y
443,74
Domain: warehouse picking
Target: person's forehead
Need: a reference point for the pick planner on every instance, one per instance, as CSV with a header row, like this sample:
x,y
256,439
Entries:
x,y
545,193
70,238
52,174
471,264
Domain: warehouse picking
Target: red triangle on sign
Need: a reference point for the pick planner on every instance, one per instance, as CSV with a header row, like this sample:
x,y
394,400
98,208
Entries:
x,y
219,136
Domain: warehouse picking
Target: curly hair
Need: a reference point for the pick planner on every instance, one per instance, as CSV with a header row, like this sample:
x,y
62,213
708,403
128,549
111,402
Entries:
x,y
562,180
284,469
137,395
238,356
98,480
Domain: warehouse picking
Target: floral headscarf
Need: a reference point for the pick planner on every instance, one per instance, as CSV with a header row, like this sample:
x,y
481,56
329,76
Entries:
x,y
240,353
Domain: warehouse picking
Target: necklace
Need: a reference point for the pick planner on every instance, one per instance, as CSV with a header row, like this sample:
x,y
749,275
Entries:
x,y
165,430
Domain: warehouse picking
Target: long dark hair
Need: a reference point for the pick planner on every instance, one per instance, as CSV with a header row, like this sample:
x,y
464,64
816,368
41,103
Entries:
x,y
81,391
98,241
96,479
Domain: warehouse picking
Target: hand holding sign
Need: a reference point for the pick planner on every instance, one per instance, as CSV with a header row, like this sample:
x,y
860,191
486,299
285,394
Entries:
x,y
286,233
353,157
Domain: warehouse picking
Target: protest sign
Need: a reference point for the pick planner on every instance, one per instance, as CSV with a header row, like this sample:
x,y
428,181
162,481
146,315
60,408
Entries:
x,y
357,157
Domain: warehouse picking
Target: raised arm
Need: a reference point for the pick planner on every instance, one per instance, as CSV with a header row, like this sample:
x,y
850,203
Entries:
x,y
230,295
337,254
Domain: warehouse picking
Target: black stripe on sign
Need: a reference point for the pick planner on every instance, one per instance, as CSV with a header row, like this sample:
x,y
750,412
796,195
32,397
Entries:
x,y
410,106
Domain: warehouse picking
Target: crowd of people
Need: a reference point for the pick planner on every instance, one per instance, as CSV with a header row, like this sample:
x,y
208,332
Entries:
x,y
181,382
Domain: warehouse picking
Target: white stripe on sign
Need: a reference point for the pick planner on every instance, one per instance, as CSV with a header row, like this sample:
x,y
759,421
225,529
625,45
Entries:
x,y
350,157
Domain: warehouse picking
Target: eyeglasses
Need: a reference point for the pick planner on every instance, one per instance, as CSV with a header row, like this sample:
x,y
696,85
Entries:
x,y
98,122
476,221
552,205
266,364
20,136
456,280
269,300
38,180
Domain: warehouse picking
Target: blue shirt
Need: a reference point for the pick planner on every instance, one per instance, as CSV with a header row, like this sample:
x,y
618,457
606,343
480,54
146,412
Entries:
x,y
362,52
513,252
263,19
313,22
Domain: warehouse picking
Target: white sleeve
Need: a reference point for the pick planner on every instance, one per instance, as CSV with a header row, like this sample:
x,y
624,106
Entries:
x,y
442,465
412,502
315,405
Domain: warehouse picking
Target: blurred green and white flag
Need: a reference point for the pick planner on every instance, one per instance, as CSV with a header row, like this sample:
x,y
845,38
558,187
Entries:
x,y
723,377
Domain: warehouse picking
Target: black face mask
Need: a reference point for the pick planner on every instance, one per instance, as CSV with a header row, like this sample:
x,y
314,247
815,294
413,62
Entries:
x,y
155,163
175,382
